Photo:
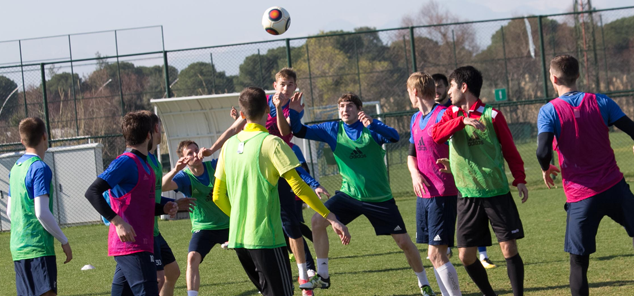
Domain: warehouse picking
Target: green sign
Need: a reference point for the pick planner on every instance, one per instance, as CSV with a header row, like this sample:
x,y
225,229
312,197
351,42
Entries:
x,y
500,94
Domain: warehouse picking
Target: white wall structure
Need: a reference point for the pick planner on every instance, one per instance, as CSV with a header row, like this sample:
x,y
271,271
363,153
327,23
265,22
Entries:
x,y
74,169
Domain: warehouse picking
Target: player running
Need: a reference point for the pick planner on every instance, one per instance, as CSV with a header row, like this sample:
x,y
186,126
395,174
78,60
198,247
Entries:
x,y
594,186
30,210
480,142
249,167
436,205
356,143
130,182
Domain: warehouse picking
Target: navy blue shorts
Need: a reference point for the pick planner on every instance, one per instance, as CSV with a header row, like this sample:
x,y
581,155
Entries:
x,y
203,240
384,216
299,210
583,217
162,253
34,277
135,274
436,220
290,220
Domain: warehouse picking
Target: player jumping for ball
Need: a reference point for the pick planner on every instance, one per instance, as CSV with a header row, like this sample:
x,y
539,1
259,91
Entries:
x,y
592,181
480,142
247,173
356,143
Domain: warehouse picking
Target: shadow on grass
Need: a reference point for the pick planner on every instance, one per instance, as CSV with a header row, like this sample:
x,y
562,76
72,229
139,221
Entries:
x,y
605,258
375,270
366,255
217,284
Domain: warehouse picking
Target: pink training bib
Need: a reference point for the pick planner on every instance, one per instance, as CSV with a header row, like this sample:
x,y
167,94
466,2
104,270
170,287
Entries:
x,y
271,124
427,152
136,208
586,159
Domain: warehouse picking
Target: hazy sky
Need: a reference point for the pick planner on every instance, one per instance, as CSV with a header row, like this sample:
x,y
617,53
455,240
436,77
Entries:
x,y
203,23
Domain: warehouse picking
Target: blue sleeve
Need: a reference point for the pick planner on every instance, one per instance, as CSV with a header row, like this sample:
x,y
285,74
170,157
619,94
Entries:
x,y
165,200
273,111
184,184
296,120
299,154
383,133
214,162
40,176
610,110
121,170
547,120
411,128
324,132
307,178
440,115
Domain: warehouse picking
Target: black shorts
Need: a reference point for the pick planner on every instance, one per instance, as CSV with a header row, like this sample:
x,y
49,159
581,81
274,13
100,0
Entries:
x,y
203,240
290,219
584,217
436,220
135,274
162,253
268,269
475,214
35,276
384,216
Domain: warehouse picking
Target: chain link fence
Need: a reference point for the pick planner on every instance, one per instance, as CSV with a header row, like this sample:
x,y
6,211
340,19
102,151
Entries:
x,y
83,99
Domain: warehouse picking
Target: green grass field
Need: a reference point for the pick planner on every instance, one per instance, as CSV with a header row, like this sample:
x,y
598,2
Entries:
x,y
370,265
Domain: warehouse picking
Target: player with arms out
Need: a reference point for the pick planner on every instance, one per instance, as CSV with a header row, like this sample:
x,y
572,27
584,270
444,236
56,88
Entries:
x,y
436,191
30,206
480,142
248,170
356,143
594,186
130,182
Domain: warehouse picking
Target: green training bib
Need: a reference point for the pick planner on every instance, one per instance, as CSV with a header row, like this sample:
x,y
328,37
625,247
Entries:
x,y
476,160
362,168
29,239
255,204
158,172
206,215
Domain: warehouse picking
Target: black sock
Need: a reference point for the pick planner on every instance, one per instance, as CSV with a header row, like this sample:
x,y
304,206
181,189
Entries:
x,y
515,269
479,276
579,275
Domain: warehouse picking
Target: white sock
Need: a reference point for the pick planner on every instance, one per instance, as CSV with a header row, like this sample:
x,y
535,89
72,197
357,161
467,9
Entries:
x,y
422,278
447,273
483,255
442,288
322,267
303,271
192,293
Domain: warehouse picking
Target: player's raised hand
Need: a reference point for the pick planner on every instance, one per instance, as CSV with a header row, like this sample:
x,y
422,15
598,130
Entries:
x,y
365,119
279,99
474,122
445,163
296,102
68,252
320,191
124,230
419,184
181,163
203,152
234,113
547,175
186,204
171,208
340,229
521,187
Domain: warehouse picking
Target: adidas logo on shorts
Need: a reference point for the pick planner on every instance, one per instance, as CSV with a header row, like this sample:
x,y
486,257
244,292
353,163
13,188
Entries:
x,y
356,153
437,238
398,228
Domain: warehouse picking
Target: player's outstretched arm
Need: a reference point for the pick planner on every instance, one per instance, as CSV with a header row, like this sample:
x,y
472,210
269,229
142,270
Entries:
x,y
381,132
47,220
168,182
235,128
626,125
220,196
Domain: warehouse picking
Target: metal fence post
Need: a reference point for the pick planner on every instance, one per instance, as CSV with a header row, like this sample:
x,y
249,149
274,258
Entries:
x,y
289,62
310,82
605,58
455,57
594,50
412,45
45,103
166,74
356,53
506,69
405,55
116,43
213,73
72,84
26,109
541,54
260,62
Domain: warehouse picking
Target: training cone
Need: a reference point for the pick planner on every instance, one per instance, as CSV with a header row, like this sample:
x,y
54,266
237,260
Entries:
x,y
87,267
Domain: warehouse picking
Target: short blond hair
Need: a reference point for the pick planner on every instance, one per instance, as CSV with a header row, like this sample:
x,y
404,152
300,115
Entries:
x,y
286,73
423,83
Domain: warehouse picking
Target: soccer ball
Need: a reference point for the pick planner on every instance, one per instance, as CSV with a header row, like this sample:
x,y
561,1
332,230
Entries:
x,y
276,20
